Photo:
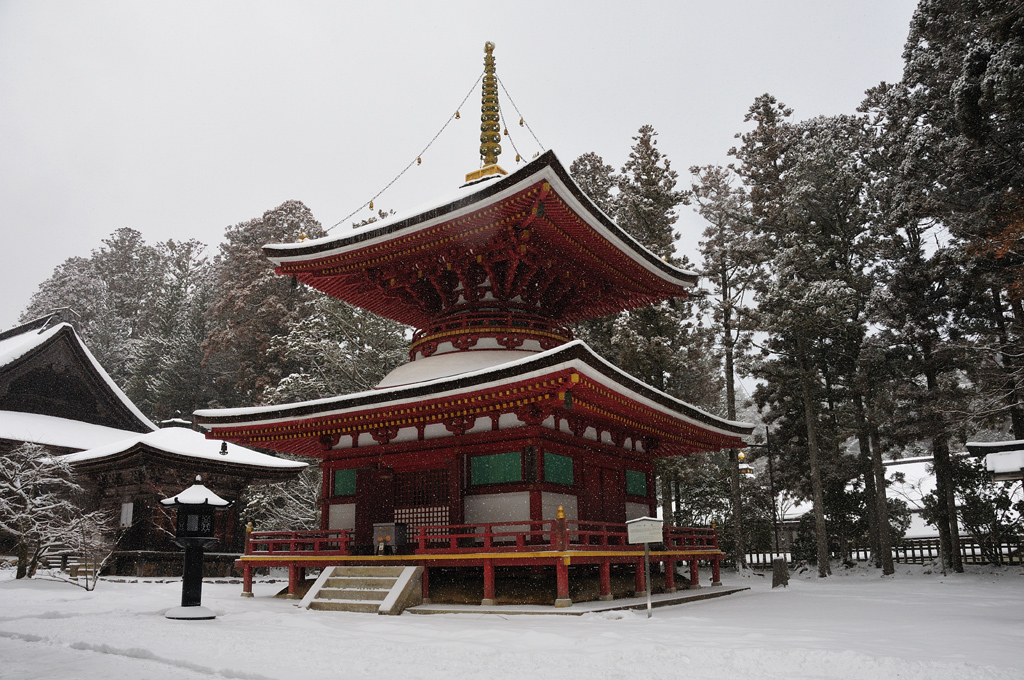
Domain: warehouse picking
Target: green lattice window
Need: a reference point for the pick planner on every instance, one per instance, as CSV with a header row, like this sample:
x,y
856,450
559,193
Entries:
x,y
636,483
344,482
558,469
498,468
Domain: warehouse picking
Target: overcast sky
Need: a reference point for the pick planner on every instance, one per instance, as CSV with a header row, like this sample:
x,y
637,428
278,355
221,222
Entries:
x,y
178,119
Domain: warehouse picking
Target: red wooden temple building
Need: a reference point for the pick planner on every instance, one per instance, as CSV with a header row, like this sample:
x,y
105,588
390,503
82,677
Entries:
x,y
503,441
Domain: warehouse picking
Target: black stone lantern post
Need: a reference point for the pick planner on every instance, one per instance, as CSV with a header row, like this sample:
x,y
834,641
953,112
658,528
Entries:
x,y
194,533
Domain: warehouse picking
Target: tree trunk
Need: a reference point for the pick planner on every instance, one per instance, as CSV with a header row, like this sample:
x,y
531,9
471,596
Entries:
x,y
884,533
810,417
22,553
739,549
870,485
947,500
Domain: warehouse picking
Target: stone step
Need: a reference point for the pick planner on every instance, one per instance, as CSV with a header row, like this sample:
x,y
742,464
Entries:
x,y
361,582
362,606
393,572
352,594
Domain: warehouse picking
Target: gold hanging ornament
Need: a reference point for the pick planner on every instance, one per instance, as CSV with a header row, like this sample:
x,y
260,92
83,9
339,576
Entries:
x,y
520,122
419,161
371,205
457,116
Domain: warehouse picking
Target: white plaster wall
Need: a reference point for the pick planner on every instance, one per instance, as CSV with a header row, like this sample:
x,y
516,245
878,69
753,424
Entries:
x,y
497,507
634,510
549,503
436,431
366,439
509,420
590,433
406,434
342,516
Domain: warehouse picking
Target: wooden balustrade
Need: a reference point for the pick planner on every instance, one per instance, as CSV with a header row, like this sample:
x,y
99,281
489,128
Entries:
x,y
521,536
331,542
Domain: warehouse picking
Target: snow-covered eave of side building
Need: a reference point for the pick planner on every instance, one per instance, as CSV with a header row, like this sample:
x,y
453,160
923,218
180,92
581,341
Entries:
x,y
617,381
390,228
179,441
36,339
60,432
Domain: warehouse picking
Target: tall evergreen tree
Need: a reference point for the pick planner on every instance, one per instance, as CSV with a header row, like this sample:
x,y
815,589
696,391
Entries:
x,y
251,305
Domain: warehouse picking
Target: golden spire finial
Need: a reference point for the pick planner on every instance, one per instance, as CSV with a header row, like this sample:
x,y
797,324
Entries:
x,y
490,120
490,126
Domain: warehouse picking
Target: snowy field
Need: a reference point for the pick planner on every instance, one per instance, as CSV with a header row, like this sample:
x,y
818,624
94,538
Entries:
x,y
855,625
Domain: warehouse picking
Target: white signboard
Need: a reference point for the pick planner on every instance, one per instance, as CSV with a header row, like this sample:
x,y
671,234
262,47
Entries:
x,y
644,530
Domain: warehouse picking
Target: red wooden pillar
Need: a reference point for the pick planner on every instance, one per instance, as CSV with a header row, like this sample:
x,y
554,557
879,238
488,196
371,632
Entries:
x,y
426,583
488,600
694,574
716,572
293,581
640,587
606,580
670,575
246,580
562,578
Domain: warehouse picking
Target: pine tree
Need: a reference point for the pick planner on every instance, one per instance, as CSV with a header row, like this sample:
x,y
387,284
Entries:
x,y
730,268
251,305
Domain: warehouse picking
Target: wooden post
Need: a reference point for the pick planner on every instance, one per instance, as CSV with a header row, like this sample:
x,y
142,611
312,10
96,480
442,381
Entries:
x,y
694,574
247,579
426,583
670,575
293,582
606,580
716,572
560,529
248,538
488,600
562,577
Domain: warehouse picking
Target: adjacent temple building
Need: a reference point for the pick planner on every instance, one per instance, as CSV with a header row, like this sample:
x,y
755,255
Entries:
x,y
500,423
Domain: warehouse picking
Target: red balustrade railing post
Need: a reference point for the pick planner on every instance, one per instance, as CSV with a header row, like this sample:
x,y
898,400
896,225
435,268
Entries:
x,y
423,543
293,582
488,600
606,580
488,538
640,587
248,538
246,580
694,573
562,579
670,575
563,538
716,572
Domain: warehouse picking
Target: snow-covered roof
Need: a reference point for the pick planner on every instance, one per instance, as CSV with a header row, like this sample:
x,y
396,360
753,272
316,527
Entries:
x,y
1005,462
14,345
984,448
54,431
446,365
575,355
179,441
467,199
197,494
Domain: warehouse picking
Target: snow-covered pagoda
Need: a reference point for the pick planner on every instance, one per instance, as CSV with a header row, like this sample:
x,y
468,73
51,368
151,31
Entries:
x,y
501,428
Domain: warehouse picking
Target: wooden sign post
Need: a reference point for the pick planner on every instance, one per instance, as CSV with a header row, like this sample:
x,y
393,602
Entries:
x,y
645,530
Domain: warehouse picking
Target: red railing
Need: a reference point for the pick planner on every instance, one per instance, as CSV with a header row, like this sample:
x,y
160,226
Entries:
x,y
332,542
523,536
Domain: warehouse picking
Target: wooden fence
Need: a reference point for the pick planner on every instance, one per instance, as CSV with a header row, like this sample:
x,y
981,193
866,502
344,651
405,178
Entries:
x,y
921,551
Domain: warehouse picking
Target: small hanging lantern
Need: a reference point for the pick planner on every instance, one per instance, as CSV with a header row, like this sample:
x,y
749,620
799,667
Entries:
x,y
457,115
517,158
371,205
419,161
520,122
506,132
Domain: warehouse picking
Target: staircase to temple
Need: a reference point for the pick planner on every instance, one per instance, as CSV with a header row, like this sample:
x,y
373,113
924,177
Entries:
x,y
371,590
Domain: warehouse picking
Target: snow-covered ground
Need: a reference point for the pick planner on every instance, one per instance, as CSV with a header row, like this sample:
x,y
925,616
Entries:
x,y
854,625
